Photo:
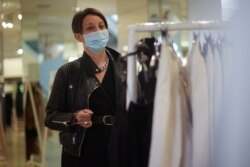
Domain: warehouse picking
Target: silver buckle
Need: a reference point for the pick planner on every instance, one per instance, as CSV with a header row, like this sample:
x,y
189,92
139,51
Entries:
x,y
107,120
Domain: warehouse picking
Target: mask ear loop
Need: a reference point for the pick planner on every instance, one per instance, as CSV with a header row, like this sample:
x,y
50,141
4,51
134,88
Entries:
x,y
84,40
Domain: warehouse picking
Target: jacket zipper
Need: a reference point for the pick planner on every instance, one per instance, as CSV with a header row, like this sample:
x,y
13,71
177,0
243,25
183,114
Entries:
x,y
79,153
61,122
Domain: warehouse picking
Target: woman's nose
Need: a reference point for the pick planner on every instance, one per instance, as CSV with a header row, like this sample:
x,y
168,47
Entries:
x,y
97,28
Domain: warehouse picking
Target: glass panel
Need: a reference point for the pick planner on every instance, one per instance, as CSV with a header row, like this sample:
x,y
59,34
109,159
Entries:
x,y
171,11
47,38
47,41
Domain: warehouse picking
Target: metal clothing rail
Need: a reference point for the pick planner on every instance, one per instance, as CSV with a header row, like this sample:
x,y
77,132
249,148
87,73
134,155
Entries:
x,y
152,27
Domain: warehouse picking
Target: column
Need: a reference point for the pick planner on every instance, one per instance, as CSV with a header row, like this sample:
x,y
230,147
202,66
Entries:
x,y
204,10
2,133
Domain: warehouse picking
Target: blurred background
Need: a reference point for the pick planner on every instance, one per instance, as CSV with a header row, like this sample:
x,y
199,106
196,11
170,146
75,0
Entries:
x,y
36,38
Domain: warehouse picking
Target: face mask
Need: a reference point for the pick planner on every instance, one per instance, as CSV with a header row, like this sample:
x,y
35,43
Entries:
x,y
96,41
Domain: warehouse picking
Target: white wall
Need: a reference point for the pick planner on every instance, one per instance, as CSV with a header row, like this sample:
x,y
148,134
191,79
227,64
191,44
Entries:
x,y
13,67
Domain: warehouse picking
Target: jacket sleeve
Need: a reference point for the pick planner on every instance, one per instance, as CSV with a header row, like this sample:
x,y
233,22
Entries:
x,y
57,116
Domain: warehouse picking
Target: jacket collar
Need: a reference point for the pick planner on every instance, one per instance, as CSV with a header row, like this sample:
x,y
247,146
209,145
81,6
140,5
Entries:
x,y
87,65
91,67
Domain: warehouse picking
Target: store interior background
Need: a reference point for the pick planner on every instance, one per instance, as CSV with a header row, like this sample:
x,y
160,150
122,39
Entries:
x,y
36,38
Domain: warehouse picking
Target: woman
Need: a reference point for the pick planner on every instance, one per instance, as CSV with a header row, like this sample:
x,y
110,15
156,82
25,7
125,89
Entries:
x,y
87,94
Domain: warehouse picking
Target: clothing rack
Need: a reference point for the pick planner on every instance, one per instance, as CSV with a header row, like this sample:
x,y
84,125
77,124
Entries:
x,y
152,27
3,144
42,137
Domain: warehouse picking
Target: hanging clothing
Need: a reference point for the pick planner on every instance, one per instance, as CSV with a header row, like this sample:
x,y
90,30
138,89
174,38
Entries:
x,y
217,99
167,144
228,129
210,68
138,125
199,99
8,108
31,134
19,99
187,118
137,135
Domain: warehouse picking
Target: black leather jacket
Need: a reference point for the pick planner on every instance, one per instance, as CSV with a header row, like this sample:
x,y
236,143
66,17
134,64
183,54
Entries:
x,y
73,85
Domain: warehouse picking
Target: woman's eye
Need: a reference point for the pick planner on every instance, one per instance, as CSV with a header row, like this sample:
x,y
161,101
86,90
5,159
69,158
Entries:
x,y
95,28
102,27
89,28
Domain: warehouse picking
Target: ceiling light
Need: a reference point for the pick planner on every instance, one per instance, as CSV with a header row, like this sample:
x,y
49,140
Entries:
x,y
7,21
4,24
78,9
10,25
20,16
7,25
20,51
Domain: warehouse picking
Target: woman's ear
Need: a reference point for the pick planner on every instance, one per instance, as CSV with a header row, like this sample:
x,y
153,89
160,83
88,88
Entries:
x,y
78,37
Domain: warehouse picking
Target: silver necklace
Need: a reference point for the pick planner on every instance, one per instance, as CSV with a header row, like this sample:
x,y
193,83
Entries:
x,y
105,65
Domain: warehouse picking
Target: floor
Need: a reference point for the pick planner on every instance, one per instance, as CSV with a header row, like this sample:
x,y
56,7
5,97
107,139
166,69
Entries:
x,y
15,154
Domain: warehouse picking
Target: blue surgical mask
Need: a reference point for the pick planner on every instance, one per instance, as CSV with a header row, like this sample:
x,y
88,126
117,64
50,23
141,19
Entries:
x,y
96,41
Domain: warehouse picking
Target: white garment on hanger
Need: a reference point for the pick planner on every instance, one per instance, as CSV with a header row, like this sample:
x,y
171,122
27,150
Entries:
x,y
232,144
210,68
167,146
217,101
198,84
186,120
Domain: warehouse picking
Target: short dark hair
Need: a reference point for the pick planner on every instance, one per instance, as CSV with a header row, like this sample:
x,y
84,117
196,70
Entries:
x,y
79,16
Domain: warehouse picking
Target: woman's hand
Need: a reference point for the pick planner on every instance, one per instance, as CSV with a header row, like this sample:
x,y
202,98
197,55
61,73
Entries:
x,y
83,118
